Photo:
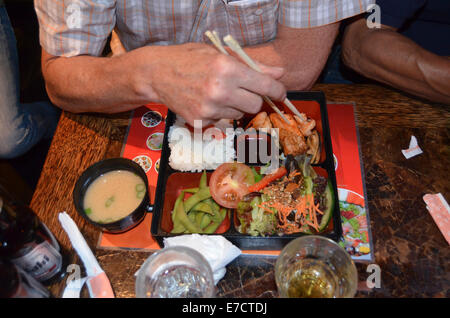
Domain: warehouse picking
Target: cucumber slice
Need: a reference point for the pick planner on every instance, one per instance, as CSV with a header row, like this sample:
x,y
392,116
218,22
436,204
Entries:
x,y
329,198
308,185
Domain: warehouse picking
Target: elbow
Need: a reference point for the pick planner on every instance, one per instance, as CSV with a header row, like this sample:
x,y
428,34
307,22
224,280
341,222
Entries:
x,y
54,93
353,43
308,81
58,99
64,102
349,53
56,84
346,55
351,56
302,79
53,96
299,81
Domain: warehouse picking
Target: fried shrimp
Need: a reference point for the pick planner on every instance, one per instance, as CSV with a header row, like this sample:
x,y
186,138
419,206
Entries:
x,y
297,136
291,138
261,120
306,125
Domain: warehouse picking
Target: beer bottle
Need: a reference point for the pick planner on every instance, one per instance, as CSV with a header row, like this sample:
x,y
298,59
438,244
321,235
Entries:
x,y
26,242
15,283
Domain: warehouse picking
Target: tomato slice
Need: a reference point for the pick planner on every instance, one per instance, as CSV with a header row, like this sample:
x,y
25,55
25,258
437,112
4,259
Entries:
x,y
230,182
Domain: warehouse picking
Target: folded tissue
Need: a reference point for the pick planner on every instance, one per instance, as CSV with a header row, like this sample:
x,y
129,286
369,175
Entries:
x,y
217,250
440,211
96,280
413,149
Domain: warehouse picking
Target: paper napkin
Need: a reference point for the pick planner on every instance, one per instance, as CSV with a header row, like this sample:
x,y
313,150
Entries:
x,y
96,280
217,250
413,149
440,211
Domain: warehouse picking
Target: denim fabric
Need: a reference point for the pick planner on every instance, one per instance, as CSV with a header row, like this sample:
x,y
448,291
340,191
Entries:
x,y
334,71
21,125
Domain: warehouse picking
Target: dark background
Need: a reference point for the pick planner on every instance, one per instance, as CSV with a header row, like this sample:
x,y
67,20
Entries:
x,y
21,174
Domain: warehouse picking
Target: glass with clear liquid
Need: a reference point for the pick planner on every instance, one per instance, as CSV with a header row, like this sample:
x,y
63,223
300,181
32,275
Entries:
x,y
175,272
315,267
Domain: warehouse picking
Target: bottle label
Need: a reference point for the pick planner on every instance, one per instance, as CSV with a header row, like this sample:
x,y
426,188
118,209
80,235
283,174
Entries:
x,y
42,262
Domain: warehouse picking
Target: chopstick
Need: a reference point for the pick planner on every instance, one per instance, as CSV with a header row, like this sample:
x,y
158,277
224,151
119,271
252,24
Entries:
x,y
236,48
215,39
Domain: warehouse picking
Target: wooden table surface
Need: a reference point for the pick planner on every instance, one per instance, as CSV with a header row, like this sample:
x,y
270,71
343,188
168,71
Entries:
x,y
409,248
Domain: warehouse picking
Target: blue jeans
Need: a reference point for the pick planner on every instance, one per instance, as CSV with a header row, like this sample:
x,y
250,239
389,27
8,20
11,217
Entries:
x,y
334,70
21,125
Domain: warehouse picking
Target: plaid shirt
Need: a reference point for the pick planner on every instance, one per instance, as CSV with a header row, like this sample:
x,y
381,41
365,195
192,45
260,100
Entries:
x,y
75,27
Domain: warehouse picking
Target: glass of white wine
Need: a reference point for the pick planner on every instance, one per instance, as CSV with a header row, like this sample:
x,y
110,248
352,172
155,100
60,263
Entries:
x,y
315,267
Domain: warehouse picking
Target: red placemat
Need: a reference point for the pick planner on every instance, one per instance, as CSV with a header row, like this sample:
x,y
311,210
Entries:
x,y
349,174
138,148
350,181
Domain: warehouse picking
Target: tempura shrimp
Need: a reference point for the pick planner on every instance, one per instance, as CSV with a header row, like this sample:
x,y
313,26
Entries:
x,y
291,138
306,125
261,120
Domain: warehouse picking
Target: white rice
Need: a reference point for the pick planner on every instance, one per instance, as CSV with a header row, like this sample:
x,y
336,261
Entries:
x,y
198,152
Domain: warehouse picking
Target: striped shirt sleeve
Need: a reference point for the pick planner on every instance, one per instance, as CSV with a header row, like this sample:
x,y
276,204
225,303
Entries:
x,y
75,27
313,13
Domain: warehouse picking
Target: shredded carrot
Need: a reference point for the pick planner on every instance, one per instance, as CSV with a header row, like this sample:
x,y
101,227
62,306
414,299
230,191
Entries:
x,y
279,173
265,208
294,173
305,213
316,207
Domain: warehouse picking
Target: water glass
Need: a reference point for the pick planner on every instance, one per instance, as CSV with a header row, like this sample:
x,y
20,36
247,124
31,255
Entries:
x,y
175,272
315,267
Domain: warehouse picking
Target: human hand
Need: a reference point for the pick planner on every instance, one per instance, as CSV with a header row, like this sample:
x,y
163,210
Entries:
x,y
199,83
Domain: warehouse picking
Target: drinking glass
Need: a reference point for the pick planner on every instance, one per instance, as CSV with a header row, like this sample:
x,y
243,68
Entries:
x,y
315,267
175,272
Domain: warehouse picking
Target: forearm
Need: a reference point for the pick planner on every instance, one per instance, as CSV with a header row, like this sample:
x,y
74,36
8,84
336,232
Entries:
x,y
194,80
388,57
302,53
93,84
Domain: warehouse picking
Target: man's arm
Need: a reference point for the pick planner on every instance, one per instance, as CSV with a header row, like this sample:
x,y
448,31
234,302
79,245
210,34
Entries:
x,y
391,58
302,52
192,79
85,83
210,85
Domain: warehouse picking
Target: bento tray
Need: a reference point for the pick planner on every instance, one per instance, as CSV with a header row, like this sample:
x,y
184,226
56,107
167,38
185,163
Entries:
x,y
171,181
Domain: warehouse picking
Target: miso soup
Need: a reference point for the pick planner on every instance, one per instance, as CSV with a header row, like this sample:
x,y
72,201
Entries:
x,y
113,196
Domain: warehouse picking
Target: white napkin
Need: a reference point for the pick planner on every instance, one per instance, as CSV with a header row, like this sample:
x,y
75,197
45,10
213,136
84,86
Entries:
x,y
217,250
73,288
98,283
440,211
413,149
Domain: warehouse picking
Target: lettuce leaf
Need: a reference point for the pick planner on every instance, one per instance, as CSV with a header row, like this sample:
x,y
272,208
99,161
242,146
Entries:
x,y
261,224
